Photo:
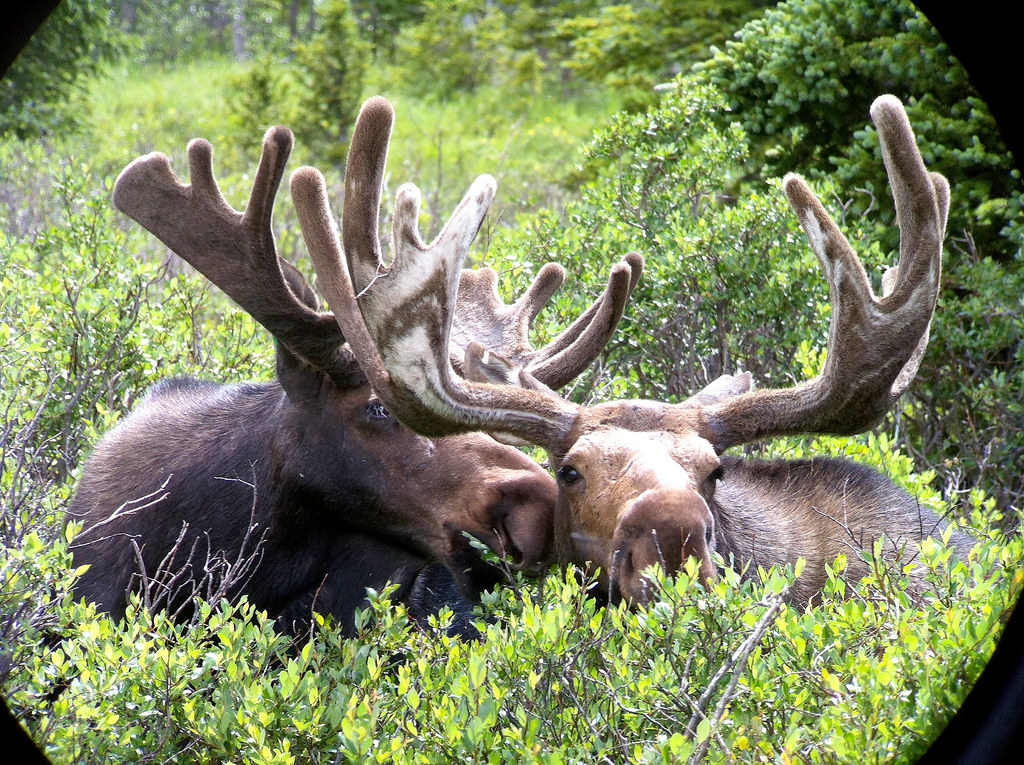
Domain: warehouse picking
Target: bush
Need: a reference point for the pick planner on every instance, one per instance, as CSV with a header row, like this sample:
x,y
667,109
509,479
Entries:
x,y
661,188
695,676
330,68
43,92
633,45
85,328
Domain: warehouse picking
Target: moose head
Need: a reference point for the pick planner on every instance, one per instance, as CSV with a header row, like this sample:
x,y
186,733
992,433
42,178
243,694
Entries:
x,y
637,479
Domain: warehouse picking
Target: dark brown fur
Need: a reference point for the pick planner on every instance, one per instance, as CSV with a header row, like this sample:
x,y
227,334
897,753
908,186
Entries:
x,y
321,486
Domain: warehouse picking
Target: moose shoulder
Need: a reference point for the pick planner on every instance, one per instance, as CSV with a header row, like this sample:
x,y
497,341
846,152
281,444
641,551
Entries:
x,y
302,492
645,482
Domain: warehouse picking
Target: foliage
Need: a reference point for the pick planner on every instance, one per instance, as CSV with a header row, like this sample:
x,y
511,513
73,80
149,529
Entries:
x,y
461,44
450,46
173,32
786,75
330,66
84,327
254,96
42,92
661,189
694,677
315,86
634,45
381,21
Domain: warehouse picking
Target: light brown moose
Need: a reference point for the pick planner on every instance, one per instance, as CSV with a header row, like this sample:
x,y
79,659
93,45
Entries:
x,y
642,482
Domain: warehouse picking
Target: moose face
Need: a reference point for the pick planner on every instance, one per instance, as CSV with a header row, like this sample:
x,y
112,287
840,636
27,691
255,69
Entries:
x,y
630,498
344,450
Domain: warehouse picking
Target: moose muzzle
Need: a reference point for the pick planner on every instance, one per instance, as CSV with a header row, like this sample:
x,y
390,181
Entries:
x,y
661,527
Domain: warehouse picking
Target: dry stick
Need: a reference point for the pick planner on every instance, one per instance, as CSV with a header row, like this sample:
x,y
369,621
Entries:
x,y
148,500
734,664
243,568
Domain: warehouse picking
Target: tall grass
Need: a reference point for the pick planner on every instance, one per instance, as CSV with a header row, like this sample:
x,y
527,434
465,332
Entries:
x,y
135,110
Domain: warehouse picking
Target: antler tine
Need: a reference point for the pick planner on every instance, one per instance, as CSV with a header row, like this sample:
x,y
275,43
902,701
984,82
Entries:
x,y
484,318
235,251
399,326
309,193
364,181
875,344
480,316
565,358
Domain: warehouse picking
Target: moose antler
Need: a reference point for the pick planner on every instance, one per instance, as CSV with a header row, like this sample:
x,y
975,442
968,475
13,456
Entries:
x,y
480,314
636,478
410,314
483,317
875,344
234,250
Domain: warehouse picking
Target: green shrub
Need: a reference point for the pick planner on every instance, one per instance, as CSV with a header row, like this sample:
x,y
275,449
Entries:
x,y
330,68
729,282
869,672
85,327
43,91
633,45
448,47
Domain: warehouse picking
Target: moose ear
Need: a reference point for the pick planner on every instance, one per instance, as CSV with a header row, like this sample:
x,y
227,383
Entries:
x,y
483,365
300,377
724,387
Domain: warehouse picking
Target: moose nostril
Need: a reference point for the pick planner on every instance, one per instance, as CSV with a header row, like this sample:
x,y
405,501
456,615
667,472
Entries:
x,y
509,549
522,517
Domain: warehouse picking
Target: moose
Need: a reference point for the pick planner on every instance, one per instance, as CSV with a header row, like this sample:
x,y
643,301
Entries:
x,y
302,492
644,482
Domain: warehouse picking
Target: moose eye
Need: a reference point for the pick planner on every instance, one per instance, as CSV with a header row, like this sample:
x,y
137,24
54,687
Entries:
x,y
376,411
568,475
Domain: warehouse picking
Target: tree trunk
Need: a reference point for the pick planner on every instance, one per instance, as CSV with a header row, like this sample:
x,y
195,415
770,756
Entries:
x,y
293,19
129,15
238,30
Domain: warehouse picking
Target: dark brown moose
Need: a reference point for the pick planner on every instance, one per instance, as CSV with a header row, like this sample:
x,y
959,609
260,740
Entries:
x,y
643,482
302,492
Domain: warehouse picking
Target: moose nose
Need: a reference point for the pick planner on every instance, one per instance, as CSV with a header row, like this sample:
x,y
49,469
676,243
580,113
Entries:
x,y
524,520
663,527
